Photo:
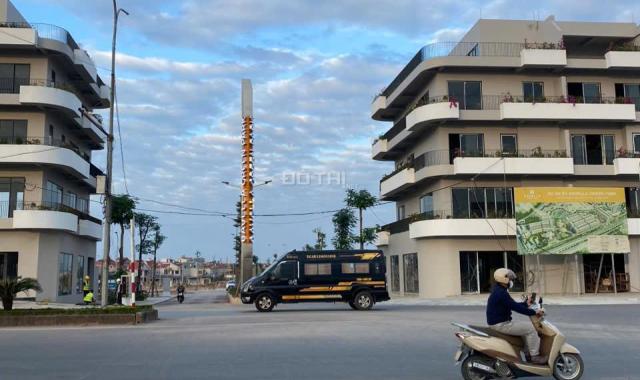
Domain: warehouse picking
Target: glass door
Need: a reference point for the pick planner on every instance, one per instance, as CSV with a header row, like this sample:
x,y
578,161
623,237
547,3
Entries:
x,y
469,272
472,145
578,150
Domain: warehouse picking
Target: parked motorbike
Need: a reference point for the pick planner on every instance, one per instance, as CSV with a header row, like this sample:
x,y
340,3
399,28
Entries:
x,y
487,354
180,296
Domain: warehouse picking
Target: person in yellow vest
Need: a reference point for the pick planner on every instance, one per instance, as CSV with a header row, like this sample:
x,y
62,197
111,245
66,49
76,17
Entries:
x,y
86,285
88,298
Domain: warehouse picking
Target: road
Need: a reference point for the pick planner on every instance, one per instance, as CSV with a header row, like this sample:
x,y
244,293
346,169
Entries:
x,y
204,340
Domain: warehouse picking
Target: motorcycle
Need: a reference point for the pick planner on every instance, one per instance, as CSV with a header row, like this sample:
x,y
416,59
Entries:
x,y
180,296
487,354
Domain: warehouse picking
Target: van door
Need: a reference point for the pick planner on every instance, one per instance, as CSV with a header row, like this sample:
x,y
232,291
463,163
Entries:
x,y
283,280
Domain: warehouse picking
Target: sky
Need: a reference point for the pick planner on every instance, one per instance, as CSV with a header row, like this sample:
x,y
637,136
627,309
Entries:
x,y
315,67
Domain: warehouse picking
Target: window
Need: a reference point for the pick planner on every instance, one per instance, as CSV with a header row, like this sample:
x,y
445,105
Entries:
x,y
53,195
353,268
636,143
632,195
401,214
465,145
533,91
70,199
509,145
8,265
629,92
11,196
467,94
593,149
79,274
411,279
65,274
12,76
13,132
482,202
426,203
320,269
584,92
395,273
82,205
286,270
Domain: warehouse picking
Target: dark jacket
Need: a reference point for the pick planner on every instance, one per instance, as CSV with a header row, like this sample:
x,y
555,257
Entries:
x,y
501,304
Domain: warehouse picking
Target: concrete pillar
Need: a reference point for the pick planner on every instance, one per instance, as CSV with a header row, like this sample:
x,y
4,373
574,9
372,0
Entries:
x,y
563,86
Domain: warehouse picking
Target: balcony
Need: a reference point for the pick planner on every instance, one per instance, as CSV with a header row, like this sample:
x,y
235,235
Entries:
x,y
90,229
433,110
382,239
627,165
443,224
397,181
534,161
48,94
571,108
379,148
619,59
543,55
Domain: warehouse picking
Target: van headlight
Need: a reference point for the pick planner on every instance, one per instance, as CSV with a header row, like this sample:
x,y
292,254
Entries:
x,y
247,287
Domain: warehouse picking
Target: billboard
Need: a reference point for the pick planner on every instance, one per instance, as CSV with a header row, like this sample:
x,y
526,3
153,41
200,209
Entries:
x,y
568,220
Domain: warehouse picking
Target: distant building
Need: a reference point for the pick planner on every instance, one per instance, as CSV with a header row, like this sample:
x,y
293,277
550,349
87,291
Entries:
x,y
49,89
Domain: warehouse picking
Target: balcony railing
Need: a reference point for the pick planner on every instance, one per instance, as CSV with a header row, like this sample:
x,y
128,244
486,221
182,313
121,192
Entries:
x,y
464,49
11,85
402,225
48,31
46,140
81,210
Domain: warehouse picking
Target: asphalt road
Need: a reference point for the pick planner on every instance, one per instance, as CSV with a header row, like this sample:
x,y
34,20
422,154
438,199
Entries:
x,y
204,340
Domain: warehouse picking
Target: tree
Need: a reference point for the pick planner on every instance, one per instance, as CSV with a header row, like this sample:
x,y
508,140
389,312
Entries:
x,y
361,200
320,239
10,287
343,222
157,239
145,224
122,207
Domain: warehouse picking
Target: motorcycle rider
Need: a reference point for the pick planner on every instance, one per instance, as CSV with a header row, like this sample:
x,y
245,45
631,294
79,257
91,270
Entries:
x,y
499,307
180,290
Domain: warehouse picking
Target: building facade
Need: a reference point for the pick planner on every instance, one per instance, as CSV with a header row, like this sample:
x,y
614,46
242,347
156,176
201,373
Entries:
x,y
515,103
49,89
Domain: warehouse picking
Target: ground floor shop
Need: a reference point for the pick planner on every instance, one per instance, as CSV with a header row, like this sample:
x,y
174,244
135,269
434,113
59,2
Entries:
x,y
442,267
58,260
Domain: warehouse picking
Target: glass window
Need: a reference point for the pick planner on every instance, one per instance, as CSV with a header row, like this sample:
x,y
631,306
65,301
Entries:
x,y
532,91
411,278
491,203
578,150
636,143
317,269
79,274
472,145
504,203
632,91
13,131
70,199
591,92
395,273
509,145
426,203
65,274
53,195
608,142
477,203
11,196
353,268
467,94
12,76
8,265
460,199
469,272
401,213
632,195
286,270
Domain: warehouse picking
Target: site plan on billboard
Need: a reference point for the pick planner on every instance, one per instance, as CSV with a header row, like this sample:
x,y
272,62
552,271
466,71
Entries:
x,y
568,220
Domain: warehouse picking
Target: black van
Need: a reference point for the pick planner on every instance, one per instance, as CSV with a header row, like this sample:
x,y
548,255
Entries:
x,y
354,276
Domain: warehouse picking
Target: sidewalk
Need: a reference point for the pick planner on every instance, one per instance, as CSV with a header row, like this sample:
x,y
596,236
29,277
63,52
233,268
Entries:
x,y
52,305
481,300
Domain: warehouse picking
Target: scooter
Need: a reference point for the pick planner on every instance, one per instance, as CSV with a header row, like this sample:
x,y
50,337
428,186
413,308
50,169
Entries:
x,y
181,296
487,354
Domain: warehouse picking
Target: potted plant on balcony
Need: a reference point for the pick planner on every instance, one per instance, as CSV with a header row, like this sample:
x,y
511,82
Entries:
x,y
537,152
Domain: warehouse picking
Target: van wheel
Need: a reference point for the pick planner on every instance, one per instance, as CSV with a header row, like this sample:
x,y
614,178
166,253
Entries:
x,y
265,302
363,301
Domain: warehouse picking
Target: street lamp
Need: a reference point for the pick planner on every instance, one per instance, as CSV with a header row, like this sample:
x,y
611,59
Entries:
x,y
107,192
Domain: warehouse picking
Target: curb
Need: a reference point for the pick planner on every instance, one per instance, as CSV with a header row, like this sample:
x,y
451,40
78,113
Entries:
x,y
78,320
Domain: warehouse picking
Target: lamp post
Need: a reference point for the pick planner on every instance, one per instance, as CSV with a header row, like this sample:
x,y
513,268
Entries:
x,y
107,192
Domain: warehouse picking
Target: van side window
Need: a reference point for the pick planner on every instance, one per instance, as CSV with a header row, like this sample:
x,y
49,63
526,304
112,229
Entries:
x,y
355,268
286,270
314,269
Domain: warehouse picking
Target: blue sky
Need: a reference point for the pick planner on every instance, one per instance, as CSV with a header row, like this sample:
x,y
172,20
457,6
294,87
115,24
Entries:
x,y
315,67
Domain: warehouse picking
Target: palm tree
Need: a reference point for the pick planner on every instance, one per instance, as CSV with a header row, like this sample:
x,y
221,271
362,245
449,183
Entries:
x,y
361,200
122,207
10,287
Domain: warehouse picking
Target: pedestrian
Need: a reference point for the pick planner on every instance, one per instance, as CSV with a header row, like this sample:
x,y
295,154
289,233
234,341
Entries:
x,y
86,285
88,298
119,291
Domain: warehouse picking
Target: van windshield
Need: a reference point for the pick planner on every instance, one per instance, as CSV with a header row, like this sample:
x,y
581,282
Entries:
x,y
272,265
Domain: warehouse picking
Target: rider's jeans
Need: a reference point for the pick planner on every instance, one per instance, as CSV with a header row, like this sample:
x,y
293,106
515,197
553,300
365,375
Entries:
x,y
524,330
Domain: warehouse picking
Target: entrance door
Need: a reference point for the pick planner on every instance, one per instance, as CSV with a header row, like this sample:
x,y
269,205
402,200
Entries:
x,y
477,268
591,264
8,265
469,272
488,263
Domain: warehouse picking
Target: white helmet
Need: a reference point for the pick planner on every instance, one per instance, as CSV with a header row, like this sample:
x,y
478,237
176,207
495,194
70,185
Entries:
x,y
504,275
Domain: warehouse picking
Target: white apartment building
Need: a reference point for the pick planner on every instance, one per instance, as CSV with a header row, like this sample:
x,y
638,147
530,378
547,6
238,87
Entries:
x,y
49,88
515,103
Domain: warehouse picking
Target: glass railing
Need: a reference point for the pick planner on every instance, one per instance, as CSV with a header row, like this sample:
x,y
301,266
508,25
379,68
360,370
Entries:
x,y
81,208
47,31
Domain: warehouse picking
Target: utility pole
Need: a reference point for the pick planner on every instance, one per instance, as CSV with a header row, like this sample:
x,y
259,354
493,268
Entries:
x,y
246,248
106,243
132,281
